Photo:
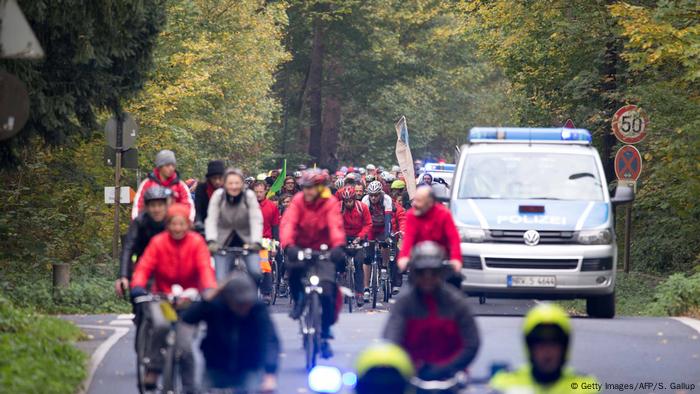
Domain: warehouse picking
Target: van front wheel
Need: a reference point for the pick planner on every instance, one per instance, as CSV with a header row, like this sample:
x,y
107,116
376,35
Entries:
x,y
601,306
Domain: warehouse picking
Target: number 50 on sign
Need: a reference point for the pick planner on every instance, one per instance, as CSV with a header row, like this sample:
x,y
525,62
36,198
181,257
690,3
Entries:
x,y
629,124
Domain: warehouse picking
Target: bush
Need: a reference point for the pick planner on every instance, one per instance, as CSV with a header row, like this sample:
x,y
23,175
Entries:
x,y
39,356
84,295
678,295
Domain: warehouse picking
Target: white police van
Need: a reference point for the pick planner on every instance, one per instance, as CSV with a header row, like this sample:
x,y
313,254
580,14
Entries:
x,y
535,216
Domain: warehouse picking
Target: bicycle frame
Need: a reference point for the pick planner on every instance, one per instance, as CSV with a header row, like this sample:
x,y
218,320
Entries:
x,y
310,321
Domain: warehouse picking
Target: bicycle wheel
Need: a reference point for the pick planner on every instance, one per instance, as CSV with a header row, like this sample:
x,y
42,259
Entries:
x,y
312,341
275,282
374,284
351,283
143,333
170,374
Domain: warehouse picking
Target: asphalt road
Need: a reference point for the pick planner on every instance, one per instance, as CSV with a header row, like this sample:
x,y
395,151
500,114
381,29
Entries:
x,y
623,350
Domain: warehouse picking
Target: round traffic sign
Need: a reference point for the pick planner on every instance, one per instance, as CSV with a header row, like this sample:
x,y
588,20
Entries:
x,y
628,163
129,132
14,105
629,124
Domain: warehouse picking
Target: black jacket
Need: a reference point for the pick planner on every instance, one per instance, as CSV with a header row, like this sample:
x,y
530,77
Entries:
x,y
201,202
140,232
234,345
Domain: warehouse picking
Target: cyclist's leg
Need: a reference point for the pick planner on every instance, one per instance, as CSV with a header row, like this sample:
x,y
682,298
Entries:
x,y
252,262
159,331
221,266
326,272
185,334
367,267
359,262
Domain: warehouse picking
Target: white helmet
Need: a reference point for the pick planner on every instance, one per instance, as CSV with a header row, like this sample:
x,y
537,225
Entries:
x,y
387,177
371,167
395,169
374,187
362,170
339,183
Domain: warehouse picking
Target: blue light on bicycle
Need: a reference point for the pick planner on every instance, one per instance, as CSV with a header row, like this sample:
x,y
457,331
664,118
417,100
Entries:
x,y
325,379
350,379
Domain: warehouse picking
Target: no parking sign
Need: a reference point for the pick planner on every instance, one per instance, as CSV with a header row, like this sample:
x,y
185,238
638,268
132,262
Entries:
x,y
628,164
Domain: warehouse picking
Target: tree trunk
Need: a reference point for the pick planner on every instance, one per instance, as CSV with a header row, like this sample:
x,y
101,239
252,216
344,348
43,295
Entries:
x,y
315,95
331,117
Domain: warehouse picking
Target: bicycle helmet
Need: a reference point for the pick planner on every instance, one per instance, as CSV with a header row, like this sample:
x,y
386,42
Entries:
x,y
156,193
398,184
395,169
383,368
370,178
547,322
374,188
387,177
348,193
339,183
350,179
297,174
371,167
362,171
249,180
313,177
427,255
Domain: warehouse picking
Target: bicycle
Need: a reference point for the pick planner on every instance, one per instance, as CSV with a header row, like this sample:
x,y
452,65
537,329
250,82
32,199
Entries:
x,y
310,321
170,378
453,385
266,253
379,275
349,276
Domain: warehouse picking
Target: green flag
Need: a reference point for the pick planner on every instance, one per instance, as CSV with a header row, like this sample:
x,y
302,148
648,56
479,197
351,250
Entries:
x,y
277,186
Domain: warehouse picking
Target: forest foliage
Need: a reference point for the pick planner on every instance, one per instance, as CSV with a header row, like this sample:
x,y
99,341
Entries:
x,y
323,81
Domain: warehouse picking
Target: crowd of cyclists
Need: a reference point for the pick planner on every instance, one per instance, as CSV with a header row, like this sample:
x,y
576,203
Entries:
x,y
179,227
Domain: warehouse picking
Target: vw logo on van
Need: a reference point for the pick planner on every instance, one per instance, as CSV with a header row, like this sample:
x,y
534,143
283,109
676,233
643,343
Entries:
x,y
531,237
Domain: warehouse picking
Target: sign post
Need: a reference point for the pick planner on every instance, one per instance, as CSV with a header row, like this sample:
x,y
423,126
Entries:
x,y
629,124
117,181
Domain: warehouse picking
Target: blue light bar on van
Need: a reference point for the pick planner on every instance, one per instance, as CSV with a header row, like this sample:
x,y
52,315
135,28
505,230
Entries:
x,y
534,135
439,167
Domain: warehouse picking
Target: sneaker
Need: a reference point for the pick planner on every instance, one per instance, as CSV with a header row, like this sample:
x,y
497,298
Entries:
x,y
326,351
395,290
365,295
359,300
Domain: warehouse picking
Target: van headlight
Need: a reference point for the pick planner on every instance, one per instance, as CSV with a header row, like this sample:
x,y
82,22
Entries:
x,y
471,235
595,237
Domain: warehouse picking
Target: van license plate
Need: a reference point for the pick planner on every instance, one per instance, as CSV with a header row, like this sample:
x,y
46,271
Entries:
x,y
531,281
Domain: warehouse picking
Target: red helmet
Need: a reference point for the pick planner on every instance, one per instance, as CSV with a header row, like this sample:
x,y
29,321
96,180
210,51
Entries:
x,y
348,193
313,177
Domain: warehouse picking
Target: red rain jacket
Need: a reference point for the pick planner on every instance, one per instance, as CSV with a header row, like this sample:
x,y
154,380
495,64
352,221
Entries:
x,y
181,193
312,224
435,225
271,217
356,221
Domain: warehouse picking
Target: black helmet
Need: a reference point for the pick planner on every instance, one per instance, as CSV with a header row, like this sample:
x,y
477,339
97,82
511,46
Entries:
x,y
156,193
427,255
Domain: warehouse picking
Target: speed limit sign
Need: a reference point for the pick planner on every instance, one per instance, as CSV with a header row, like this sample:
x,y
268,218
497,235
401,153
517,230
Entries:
x,y
629,124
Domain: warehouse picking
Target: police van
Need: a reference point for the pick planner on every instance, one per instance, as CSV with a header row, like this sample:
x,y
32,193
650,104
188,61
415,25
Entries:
x,y
535,216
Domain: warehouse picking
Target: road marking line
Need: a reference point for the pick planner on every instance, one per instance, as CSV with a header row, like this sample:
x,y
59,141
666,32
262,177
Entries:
x,y
101,351
121,323
125,316
690,322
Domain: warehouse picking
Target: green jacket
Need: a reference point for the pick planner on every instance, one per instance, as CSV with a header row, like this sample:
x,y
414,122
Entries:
x,y
522,382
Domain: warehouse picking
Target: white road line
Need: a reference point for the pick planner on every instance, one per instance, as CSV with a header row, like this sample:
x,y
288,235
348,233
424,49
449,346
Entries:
x,y
690,322
121,323
125,316
101,351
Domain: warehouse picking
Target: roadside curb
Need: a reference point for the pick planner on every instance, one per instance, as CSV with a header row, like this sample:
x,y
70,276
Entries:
x,y
690,322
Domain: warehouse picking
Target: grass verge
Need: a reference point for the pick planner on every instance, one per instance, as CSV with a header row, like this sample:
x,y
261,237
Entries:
x,y
39,352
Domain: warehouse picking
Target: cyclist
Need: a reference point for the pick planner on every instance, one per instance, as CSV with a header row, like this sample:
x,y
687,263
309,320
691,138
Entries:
x,y
398,226
547,330
249,181
176,256
338,187
400,195
215,179
147,225
427,179
359,191
380,210
350,180
289,186
166,176
371,170
383,368
432,309
428,221
358,224
234,220
241,347
311,220
271,223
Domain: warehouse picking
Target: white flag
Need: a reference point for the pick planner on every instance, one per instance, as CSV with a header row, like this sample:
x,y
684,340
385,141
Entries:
x,y
403,155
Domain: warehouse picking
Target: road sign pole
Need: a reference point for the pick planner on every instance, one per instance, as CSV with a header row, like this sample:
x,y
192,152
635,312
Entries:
x,y
628,236
117,191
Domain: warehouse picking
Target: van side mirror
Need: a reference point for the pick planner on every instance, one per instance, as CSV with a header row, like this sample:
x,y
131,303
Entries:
x,y
443,199
623,195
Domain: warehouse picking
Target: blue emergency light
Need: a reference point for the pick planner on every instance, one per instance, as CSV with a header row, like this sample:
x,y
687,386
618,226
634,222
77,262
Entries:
x,y
439,167
532,135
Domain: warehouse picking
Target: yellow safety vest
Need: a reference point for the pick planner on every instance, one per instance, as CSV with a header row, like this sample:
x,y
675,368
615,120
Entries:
x,y
522,382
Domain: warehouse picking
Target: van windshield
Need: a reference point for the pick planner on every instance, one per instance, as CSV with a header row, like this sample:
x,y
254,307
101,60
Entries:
x,y
515,176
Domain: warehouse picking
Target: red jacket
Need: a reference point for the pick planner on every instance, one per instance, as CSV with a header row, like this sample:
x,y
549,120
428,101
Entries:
x,y
271,217
435,225
186,262
356,221
398,218
310,225
181,193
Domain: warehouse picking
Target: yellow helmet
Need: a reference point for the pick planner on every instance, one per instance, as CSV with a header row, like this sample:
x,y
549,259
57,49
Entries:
x,y
547,315
398,184
384,355
261,176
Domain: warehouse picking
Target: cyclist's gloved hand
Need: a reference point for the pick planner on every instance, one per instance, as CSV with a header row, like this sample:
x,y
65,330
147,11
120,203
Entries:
x,y
213,248
293,252
138,291
338,255
199,227
433,372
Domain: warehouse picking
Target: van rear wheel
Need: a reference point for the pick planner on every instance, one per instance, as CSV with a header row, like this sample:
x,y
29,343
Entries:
x,y
601,306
